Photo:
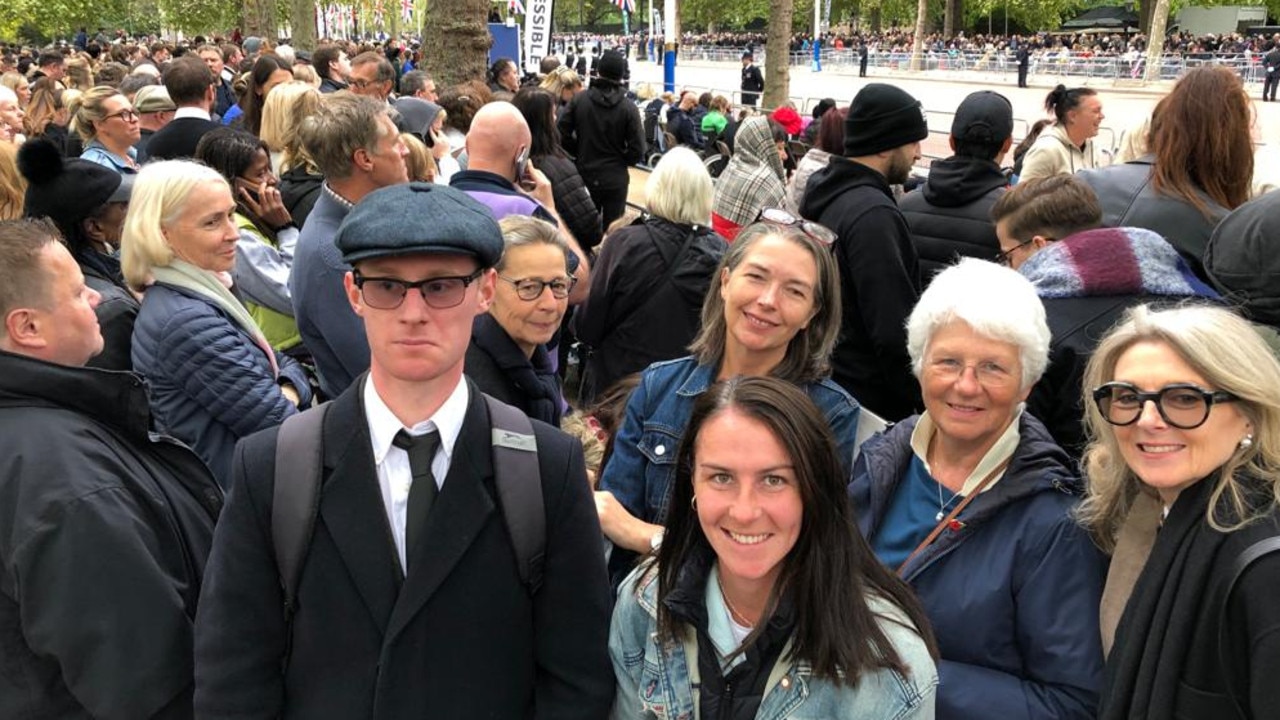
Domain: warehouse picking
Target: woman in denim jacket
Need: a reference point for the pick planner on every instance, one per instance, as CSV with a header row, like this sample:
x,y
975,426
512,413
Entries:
x,y
776,312
764,602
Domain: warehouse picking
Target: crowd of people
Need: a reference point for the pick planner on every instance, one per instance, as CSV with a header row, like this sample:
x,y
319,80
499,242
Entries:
x,y
329,393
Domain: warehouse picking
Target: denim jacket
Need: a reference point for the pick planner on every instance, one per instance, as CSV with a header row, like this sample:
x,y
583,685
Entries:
x,y
659,679
643,463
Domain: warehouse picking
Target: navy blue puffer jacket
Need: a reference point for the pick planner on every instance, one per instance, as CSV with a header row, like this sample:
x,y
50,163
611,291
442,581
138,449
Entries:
x,y
209,383
1012,591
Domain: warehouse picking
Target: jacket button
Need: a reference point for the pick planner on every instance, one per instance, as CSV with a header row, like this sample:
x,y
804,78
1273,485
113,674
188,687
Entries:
x,y
660,450
786,682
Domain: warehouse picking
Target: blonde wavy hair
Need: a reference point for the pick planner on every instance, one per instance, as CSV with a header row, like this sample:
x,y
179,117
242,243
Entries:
x,y
1231,356
283,112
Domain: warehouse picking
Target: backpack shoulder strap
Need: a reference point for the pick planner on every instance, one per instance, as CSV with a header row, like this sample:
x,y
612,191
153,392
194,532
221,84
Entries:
x,y
519,483
1247,557
296,497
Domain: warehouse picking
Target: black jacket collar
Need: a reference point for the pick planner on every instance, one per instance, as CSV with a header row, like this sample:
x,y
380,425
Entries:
x,y
114,398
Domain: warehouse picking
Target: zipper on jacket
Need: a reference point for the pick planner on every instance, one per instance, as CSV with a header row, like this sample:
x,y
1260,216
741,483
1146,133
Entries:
x,y
726,702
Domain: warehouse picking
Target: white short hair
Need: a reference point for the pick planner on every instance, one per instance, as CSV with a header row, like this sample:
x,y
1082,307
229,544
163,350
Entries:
x,y
995,301
8,95
679,189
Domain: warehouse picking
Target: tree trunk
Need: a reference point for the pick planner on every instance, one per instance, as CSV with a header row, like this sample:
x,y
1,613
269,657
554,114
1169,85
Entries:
x,y
260,20
917,45
302,18
777,69
875,19
1155,39
455,40
1144,18
951,9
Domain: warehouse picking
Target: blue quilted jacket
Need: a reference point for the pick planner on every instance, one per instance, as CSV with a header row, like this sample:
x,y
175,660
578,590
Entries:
x,y
209,382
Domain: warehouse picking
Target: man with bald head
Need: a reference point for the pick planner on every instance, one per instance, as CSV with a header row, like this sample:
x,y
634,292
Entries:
x,y
501,177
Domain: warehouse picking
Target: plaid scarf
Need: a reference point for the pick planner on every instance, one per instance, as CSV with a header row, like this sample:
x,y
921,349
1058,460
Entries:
x,y
754,178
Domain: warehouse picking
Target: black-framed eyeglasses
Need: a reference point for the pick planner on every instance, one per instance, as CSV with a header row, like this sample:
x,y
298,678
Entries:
x,y
1182,405
817,233
127,115
1006,257
529,289
388,293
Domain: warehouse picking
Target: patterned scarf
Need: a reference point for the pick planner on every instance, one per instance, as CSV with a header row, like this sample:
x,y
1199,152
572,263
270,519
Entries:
x,y
1113,261
754,178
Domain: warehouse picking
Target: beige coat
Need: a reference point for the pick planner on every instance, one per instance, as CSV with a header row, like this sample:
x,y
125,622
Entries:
x,y
1053,153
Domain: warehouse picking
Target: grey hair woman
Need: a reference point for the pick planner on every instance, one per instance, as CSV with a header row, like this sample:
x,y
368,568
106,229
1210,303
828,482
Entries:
x,y
971,503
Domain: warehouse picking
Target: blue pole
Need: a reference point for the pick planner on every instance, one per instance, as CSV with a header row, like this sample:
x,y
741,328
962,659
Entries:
x,y
817,55
669,69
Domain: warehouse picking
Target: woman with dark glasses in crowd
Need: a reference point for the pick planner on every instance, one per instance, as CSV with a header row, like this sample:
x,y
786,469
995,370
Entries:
x,y
1184,415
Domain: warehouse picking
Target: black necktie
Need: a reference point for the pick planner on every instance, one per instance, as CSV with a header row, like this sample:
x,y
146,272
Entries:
x,y
422,493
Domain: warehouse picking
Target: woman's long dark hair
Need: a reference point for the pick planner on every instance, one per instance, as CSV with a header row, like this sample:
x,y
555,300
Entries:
x,y
539,109
263,68
831,570
231,152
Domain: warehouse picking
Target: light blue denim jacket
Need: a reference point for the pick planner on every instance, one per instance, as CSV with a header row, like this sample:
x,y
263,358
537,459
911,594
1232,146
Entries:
x,y
659,679
643,463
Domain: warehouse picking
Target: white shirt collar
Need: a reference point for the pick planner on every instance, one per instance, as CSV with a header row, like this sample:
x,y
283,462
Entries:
x,y
383,424
1005,445
191,112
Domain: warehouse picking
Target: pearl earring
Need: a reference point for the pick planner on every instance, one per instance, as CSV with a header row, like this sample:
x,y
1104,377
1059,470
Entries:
x,y
1246,442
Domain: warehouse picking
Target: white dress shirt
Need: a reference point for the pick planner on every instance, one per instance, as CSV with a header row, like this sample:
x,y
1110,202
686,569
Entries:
x,y
394,474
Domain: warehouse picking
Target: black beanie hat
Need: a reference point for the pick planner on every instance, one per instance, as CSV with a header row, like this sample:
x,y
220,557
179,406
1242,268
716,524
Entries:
x,y
882,117
611,66
66,191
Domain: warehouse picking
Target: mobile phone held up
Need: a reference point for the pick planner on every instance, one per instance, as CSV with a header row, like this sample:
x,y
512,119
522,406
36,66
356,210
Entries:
x,y
523,177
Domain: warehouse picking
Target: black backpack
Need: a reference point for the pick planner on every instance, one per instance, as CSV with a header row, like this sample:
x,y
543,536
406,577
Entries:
x,y
296,498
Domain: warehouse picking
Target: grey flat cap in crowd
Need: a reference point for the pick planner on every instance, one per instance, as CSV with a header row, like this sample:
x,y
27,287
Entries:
x,y
419,218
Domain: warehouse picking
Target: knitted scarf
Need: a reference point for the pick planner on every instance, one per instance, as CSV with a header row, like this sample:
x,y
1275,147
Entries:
x,y
1112,261
183,274
534,377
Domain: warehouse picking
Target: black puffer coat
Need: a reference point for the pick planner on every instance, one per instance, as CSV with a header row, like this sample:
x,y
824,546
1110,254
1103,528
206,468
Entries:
x,y
573,201
950,215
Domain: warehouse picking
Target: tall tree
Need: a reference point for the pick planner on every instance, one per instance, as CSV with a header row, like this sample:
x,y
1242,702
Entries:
x,y
917,45
1155,39
455,40
302,23
777,78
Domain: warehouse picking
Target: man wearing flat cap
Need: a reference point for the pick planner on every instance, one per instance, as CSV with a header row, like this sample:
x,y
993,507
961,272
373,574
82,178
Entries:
x,y
410,601
950,215
879,269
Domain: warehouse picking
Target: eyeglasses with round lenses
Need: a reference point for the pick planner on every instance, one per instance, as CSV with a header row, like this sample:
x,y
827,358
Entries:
x,y
128,115
529,289
1182,405
1005,258
388,293
990,374
817,233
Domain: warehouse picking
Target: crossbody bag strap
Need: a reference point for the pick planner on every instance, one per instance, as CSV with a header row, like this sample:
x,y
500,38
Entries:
x,y
946,521
1247,557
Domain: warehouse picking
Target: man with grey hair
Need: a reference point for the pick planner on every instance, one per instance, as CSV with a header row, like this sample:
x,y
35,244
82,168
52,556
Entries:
x,y
419,84
372,76
356,146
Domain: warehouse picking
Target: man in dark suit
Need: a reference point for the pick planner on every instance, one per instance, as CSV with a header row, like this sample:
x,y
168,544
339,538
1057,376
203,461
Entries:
x,y
193,88
1271,63
1024,61
752,81
862,58
404,612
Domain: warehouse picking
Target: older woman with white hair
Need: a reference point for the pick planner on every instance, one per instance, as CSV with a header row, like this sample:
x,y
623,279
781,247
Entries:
x,y
650,278
971,503
213,376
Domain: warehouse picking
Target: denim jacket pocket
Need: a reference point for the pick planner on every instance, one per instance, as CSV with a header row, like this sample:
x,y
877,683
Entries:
x,y
658,445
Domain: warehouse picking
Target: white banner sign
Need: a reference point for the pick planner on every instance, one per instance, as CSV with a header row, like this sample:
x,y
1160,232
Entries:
x,y
537,33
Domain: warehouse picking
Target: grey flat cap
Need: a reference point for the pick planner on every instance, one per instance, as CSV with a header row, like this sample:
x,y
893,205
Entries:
x,y
419,218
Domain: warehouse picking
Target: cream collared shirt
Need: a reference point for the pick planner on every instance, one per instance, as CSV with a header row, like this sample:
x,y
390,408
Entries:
x,y
1001,451
394,474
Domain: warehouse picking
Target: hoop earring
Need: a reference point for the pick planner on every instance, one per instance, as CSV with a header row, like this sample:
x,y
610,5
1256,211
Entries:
x,y
1246,442
693,503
